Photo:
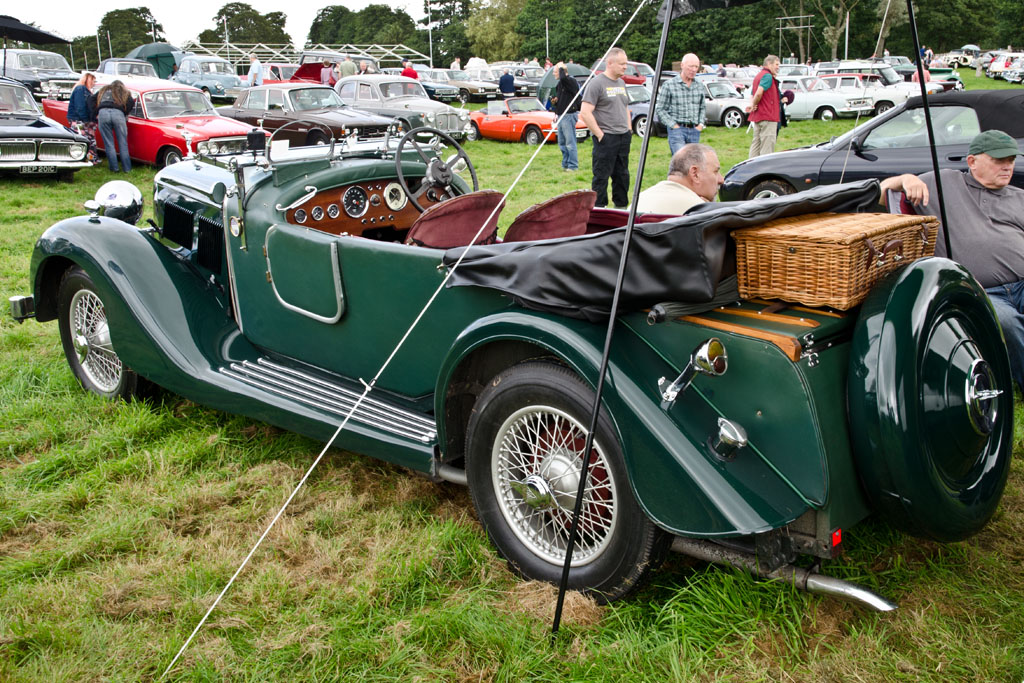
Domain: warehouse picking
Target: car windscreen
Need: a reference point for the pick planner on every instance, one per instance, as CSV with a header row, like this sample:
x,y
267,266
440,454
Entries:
x,y
638,94
644,70
952,125
815,84
722,89
525,104
131,69
217,68
163,104
43,60
305,99
457,75
16,100
533,72
396,89
888,74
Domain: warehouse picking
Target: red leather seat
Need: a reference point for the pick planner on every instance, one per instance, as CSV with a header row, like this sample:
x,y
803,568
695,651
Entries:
x,y
456,221
562,216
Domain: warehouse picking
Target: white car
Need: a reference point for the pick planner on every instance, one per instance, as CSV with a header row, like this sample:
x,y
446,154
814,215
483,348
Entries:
x,y
889,76
883,98
813,99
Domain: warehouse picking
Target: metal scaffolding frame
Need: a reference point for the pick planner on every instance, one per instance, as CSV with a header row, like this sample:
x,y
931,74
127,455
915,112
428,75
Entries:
x,y
238,53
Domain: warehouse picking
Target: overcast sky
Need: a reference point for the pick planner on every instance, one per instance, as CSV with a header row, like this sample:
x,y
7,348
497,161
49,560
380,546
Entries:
x,y
183,19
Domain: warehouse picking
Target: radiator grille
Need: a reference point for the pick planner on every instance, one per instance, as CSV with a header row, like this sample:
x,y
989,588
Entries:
x,y
55,151
17,150
210,246
178,226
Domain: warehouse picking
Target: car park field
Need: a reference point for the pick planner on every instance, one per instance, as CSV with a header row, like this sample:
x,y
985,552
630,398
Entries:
x,y
375,573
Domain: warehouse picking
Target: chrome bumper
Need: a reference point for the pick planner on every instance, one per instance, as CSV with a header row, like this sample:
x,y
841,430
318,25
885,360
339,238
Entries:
x,y
22,307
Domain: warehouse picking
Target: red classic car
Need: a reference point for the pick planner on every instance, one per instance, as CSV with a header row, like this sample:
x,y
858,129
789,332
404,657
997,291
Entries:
x,y
517,119
278,72
164,112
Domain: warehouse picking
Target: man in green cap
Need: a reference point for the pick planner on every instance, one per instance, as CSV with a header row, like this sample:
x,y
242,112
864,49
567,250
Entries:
x,y
987,234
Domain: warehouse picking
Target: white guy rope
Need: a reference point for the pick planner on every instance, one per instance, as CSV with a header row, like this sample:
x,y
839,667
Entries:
x,y
368,387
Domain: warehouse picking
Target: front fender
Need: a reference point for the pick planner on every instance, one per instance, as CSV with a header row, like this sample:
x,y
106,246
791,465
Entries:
x,y
679,484
167,321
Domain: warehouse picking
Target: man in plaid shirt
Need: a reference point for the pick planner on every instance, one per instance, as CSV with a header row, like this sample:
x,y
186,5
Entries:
x,y
681,105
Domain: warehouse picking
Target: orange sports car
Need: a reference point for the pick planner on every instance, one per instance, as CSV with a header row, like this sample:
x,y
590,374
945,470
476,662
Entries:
x,y
517,119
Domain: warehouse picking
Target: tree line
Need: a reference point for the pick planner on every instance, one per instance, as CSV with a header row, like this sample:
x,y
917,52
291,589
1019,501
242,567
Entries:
x,y
581,29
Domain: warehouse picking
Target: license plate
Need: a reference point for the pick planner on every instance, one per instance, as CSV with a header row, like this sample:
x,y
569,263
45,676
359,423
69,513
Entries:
x,y
580,134
37,168
491,95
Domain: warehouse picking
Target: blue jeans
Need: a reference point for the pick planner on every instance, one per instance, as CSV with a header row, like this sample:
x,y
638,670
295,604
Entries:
x,y
112,122
677,137
1008,300
567,140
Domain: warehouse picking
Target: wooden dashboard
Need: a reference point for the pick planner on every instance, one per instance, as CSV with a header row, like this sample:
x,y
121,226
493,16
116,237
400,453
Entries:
x,y
379,209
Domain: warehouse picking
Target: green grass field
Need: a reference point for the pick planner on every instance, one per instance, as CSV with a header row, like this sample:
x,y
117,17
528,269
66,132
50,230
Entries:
x,y
120,523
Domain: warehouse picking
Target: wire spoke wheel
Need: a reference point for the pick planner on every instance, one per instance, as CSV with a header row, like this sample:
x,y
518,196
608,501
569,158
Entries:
x,y
86,339
535,471
525,444
92,341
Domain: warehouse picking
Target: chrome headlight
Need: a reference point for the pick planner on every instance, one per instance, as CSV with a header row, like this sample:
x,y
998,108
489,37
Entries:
x,y
464,116
429,117
120,199
78,150
203,147
214,147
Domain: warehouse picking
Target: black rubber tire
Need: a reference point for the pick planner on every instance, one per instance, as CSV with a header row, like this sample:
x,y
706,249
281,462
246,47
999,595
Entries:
x,y
464,96
640,125
882,107
474,133
772,187
170,155
733,118
616,560
532,136
102,373
317,137
825,114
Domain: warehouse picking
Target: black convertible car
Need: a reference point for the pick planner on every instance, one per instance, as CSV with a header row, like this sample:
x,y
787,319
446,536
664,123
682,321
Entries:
x,y
32,144
893,143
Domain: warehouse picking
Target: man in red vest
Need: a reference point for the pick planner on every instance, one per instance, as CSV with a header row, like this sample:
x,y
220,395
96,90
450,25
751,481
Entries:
x,y
763,111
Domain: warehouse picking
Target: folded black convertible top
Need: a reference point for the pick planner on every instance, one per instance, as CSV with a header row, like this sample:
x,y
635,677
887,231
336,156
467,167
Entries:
x,y
680,260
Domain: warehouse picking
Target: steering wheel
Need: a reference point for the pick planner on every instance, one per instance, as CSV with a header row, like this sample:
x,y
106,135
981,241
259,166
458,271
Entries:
x,y
440,174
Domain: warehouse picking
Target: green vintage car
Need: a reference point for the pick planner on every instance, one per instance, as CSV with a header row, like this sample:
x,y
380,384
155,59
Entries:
x,y
278,285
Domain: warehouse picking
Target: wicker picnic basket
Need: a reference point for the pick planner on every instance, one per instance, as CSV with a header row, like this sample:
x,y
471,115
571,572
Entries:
x,y
828,259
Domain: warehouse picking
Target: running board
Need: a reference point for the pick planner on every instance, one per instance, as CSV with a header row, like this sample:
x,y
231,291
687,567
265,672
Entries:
x,y
332,397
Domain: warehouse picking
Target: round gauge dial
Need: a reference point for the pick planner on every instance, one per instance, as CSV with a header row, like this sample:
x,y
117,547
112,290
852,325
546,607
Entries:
x,y
355,201
395,197
317,213
333,211
300,216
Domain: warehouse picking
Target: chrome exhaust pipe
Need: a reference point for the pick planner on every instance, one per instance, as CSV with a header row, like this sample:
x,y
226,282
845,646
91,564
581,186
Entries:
x,y
455,475
803,579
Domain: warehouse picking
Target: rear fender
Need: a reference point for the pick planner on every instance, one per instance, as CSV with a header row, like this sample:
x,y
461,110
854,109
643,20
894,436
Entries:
x,y
680,485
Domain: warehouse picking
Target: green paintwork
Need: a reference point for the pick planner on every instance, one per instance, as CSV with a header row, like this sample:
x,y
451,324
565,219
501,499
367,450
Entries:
x,y
339,305
925,466
678,482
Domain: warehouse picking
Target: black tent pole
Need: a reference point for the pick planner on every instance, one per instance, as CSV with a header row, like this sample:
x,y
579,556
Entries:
x,y
667,8
928,124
